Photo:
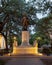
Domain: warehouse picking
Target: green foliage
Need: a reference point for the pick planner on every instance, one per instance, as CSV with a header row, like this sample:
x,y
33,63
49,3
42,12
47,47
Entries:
x,y
41,38
19,41
43,27
16,9
31,39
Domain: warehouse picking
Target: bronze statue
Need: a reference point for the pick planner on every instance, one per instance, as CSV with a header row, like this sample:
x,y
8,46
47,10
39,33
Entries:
x,y
25,22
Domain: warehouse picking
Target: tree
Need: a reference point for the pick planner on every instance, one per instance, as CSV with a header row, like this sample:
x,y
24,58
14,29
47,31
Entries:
x,y
16,9
43,27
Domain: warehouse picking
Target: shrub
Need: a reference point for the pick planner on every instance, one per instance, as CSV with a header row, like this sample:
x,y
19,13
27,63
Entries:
x,y
46,51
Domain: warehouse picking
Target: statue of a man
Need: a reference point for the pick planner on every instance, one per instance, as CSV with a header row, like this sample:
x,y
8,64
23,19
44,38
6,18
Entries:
x,y
25,22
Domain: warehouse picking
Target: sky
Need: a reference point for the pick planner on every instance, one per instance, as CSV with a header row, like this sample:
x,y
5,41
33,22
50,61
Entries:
x,y
39,15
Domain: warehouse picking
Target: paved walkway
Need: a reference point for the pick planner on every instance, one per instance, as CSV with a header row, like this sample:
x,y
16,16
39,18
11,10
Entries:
x,y
24,61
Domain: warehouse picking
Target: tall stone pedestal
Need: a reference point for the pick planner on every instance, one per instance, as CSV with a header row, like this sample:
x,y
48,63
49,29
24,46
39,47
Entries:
x,y
25,39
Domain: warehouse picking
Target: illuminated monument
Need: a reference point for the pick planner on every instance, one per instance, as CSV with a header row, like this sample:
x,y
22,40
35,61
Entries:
x,y
25,47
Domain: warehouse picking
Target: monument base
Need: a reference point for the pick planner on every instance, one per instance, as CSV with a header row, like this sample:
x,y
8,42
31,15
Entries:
x,y
25,47
24,50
